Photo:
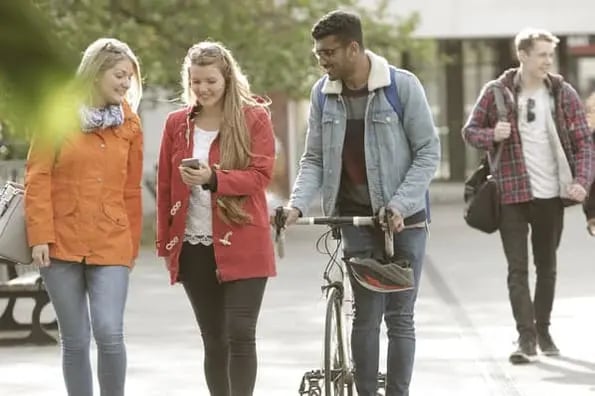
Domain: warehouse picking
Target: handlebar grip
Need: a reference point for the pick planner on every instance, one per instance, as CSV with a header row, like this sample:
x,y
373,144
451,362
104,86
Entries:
x,y
389,246
279,222
280,244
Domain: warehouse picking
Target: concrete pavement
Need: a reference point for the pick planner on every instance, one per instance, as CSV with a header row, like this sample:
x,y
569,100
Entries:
x,y
464,324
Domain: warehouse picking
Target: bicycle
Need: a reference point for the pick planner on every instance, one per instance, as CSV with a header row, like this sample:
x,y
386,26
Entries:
x,y
336,378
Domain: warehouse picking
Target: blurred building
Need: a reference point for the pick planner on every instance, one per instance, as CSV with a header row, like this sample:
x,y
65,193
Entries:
x,y
472,43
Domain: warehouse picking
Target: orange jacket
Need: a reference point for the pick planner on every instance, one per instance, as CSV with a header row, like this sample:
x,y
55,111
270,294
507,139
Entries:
x,y
83,198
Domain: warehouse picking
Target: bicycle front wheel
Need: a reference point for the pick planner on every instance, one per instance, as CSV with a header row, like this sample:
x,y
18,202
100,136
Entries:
x,y
337,375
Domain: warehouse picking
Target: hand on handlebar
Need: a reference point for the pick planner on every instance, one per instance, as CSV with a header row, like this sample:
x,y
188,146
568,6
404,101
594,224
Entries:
x,y
390,219
292,214
284,217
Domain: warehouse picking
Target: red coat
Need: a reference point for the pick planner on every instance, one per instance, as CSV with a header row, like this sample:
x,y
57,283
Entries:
x,y
241,251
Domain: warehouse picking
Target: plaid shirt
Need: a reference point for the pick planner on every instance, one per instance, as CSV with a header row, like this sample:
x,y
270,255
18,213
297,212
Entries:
x,y
571,124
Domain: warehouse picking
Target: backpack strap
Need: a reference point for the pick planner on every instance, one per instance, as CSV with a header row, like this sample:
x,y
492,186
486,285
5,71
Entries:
x,y
500,104
392,94
502,116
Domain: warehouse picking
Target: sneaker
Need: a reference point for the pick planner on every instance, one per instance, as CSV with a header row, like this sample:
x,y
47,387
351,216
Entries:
x,y
526,352
546,344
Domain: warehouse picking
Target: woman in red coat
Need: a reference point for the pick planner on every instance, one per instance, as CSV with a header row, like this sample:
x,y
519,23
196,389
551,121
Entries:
x,y
212,219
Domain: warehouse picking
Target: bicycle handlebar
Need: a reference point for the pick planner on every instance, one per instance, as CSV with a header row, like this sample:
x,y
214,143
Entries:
x,y
358,221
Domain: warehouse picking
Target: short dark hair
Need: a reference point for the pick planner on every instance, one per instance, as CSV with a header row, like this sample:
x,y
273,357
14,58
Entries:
x,y
347,26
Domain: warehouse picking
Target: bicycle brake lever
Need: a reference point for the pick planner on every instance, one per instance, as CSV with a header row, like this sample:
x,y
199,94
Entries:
x,y
280,218
389,247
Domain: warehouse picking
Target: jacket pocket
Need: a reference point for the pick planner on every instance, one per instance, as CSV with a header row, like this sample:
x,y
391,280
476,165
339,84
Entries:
x,y
116,214
331,136
384,120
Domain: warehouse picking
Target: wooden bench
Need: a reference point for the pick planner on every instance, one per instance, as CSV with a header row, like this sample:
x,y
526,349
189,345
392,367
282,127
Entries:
x,y
26,283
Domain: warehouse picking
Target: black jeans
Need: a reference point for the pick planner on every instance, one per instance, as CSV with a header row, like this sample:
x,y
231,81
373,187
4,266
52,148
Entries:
x,y
226,314
546,219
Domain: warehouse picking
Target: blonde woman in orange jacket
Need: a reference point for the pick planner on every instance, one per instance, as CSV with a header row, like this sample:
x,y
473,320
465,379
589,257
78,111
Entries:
x,y
83,215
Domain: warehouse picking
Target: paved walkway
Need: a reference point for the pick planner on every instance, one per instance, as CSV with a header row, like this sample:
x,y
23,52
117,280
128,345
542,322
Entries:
x,y
463,319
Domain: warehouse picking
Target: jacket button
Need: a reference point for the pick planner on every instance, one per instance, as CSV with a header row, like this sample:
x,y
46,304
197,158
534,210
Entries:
x,y
102,145
170,245
175,208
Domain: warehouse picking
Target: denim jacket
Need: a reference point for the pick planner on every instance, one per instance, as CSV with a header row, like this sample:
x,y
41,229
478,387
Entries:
x,y
401,157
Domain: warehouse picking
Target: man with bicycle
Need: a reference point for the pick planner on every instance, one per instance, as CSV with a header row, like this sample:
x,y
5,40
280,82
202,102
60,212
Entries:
x,y
365,158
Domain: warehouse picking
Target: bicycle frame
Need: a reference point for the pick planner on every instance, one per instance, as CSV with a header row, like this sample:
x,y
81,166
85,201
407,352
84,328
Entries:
x,y
336,376
337,373
339,293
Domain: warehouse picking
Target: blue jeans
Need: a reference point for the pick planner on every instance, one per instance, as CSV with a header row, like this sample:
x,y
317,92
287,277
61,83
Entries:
x,y
68,285
396,308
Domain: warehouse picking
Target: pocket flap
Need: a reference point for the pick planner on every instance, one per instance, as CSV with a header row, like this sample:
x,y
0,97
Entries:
x,y
116,214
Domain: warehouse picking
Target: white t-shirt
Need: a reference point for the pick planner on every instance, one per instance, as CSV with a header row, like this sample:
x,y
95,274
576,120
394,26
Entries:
x,y
199,227
533,110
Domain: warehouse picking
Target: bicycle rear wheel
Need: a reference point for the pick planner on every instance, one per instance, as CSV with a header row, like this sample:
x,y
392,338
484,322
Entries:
x,y
337,372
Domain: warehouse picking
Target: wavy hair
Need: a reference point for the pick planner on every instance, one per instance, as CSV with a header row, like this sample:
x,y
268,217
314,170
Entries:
x,y
233,134
102,55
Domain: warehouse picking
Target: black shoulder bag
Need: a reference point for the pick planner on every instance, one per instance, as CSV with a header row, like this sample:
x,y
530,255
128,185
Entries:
x,y
482,198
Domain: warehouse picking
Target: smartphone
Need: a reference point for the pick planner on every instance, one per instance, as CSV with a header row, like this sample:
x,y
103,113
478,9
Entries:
x,y
193,163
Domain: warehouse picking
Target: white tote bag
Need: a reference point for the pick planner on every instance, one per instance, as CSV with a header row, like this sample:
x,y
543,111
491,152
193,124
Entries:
x,y
13,232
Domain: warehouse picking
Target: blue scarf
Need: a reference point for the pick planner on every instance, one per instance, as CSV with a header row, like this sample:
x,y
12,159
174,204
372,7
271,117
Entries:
x,y
93,118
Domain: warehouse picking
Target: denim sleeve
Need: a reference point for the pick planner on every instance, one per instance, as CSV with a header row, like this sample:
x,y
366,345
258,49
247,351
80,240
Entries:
x,y
424,144
309,178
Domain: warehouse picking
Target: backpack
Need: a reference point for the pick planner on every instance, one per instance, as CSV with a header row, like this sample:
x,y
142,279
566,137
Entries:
x,y
392,95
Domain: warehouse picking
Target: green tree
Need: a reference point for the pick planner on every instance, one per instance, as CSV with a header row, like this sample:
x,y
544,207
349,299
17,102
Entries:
x,y
41,42
35,73
270,38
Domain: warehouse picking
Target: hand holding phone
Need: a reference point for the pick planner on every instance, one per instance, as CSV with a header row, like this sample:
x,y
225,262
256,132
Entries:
x,y
193,163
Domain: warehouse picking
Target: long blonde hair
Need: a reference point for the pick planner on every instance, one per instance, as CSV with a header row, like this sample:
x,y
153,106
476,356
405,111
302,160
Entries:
x,y
234,135
102,55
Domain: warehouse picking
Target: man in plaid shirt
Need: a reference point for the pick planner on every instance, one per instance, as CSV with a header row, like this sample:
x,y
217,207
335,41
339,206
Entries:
x,y
546,164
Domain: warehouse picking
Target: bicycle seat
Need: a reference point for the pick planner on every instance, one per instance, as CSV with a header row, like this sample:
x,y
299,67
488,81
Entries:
x,y
382,277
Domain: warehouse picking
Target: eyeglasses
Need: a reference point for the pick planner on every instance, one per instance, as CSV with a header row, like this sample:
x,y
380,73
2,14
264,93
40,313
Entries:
x,y
325,52
530,110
